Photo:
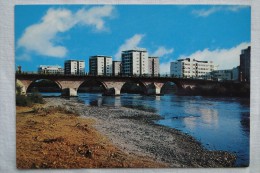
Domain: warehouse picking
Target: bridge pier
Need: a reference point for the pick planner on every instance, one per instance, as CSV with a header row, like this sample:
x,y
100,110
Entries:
x,y
69,92
23,85
113,88
153,88
69,88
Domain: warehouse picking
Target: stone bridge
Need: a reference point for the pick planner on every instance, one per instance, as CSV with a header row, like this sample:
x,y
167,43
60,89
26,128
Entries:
x,y
69,84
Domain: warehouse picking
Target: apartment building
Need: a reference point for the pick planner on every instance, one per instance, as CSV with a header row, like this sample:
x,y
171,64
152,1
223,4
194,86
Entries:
x,y
100,65
74,67
230,74
135,62
221,75
245,65
50,69
192,68
153,65
116,68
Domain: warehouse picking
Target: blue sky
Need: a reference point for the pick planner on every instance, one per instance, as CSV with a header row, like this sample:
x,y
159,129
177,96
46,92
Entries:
x,y
51,34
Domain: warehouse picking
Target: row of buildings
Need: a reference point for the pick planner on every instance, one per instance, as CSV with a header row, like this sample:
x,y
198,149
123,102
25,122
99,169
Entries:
x,y
191,68
137,62
134,62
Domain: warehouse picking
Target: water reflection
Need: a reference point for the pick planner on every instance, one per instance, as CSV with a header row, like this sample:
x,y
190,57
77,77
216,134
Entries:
x,y
210,117
219,123
190,122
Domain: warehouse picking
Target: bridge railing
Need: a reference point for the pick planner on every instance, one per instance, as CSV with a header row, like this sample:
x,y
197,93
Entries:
x,y
117,75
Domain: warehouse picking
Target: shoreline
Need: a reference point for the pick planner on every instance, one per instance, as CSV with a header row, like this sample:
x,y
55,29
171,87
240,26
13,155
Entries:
x,y
49,137
135,132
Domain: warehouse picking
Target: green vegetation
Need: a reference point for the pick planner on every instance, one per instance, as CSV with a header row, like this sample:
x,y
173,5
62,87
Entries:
x,y
27,100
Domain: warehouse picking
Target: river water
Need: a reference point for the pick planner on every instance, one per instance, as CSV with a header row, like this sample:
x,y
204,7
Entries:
x,y
218,123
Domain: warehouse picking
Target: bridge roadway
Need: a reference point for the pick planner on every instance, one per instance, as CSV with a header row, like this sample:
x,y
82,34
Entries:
x,y
69,84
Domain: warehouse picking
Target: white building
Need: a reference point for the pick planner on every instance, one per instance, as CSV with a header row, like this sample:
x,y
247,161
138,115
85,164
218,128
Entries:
x,y
100,65
153,65
50,69
135,62
192,68
221,75
116,68
74,67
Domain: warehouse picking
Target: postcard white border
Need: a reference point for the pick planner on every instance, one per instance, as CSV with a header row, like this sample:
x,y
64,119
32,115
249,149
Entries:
x,y
7,87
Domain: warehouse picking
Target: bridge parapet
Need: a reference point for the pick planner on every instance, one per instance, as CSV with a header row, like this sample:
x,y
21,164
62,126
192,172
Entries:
x,y
112,84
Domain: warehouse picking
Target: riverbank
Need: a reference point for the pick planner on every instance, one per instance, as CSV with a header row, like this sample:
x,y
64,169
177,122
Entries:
x,y
133,133
52,137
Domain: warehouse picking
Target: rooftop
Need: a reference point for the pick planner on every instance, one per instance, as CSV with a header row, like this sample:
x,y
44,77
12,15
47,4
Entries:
x,y
74,60
135,50
96,56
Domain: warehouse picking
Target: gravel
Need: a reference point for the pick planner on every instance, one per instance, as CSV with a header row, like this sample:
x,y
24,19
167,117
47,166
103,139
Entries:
x,y
134,131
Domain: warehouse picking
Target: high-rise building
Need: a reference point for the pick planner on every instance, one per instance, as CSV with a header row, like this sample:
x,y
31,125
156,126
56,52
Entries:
x,y
153,65
116,68
244,72
75,67
50,69
100,65
135,62
192,68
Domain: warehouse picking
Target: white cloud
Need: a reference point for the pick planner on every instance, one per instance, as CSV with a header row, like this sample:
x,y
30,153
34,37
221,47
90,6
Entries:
x,y
165,67
94,16
225,58
162,51
206,12
40,37
214,9
130,43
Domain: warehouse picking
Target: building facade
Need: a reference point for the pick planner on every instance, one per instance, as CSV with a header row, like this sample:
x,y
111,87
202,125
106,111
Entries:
x,y
50,69
235,73
191,68
221,75
244,72
153,65
116,68
135,62
100,65
74,67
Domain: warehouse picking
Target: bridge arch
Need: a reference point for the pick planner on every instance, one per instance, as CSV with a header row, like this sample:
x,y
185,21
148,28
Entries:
x,y
133,86
47,79
92,82
169,87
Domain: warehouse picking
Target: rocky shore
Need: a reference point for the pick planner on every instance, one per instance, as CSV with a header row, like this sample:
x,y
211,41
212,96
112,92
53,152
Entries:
x,y
134,132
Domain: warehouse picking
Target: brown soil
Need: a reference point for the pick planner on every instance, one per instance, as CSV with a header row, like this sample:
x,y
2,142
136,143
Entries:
x,y
60,139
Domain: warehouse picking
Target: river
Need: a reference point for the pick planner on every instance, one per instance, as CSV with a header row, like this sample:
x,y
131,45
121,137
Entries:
x,y
218,123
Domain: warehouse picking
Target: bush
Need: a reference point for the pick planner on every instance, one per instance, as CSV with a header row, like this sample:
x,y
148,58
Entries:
x,y
34,97
22,100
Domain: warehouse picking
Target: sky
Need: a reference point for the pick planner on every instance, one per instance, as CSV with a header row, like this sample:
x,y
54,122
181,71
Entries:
x,y
51,34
